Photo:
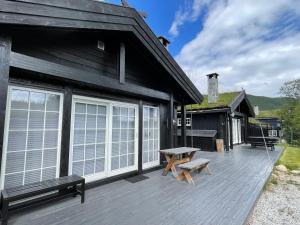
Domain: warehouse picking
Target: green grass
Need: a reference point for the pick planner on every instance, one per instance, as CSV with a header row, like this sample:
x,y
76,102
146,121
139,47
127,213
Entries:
x,y
290,158
223,101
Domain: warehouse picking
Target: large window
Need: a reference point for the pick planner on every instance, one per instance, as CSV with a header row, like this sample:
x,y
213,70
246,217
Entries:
x,y
32,137
151,134
103,138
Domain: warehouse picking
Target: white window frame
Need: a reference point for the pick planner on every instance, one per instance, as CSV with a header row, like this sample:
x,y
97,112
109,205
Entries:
x,y
179,122
157,162
188,122
108,136
272,133
6,127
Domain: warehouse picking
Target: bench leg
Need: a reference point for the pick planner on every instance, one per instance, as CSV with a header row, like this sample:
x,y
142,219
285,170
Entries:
x,y
4,212
208,170
82,190
188,177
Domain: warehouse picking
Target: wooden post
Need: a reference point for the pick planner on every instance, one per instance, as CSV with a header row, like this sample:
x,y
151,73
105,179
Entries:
x,y
122,63
183,125
66,128
140,145
230,130
226,132
171,115
5,52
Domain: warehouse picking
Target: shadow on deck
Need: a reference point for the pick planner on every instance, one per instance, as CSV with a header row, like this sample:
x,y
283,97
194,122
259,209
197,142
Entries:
x,y
226,197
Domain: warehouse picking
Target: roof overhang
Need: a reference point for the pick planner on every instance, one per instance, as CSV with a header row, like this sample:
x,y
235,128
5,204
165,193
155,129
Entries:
x,y
92,15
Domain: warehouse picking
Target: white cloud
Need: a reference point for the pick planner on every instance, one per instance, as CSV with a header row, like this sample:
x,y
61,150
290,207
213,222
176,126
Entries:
x,y
188,12
253,45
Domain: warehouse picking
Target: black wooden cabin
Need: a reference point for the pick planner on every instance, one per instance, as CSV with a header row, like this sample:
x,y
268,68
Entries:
x,y
225,119
86,88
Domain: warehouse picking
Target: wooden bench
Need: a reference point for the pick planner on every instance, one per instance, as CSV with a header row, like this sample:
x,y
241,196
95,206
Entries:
x,y
194,165
40,192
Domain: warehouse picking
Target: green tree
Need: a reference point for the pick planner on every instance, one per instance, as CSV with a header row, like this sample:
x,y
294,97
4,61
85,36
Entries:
x,y
290,115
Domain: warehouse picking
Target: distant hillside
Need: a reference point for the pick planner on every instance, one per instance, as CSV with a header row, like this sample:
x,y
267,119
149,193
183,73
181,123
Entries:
x,y
267,103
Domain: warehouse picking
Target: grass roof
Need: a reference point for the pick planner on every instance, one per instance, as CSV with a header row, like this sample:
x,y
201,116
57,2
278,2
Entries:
x,y
224,100
269,113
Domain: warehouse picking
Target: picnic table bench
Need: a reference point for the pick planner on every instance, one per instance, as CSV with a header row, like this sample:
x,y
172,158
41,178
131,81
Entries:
x,y
59,187
194,165
175,156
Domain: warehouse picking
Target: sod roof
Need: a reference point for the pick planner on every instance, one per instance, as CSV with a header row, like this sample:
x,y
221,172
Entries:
x,y
224,100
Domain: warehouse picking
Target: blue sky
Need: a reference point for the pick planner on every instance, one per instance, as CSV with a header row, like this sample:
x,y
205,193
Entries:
x,y
254,45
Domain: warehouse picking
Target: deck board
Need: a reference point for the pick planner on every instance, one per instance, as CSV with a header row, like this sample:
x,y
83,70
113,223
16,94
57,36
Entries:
x,y
225,197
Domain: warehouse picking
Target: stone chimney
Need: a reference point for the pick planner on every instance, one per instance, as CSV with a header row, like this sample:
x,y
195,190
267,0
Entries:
x,y
213,88
164,41
256,110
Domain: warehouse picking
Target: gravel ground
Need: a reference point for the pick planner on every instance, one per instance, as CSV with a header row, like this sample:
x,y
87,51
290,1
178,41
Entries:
x,y
279,204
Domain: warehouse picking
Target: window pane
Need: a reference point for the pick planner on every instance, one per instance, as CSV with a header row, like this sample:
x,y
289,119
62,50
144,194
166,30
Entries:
x,y
37,101
51,139
49,173
80,108
50,157
52,119
99,165
78,153
15,162
91,122
91,109
35,140
100,150
79,121
32,176
79,136
77,168
19,99
101,110
16,141
13,180
53,102
89,167
123,161
33,160
36,120
18,120
90,151
115,163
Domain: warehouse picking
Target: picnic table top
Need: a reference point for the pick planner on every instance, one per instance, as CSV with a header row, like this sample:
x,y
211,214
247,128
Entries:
x,y
179,151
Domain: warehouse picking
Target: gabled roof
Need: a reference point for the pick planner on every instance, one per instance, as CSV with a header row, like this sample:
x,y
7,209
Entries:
x,y
93,15
227,100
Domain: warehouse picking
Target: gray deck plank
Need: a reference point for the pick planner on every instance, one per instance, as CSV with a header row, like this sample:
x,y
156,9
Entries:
x,y
225,197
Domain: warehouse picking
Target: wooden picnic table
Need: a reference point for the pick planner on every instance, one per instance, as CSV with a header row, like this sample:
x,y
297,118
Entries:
x,y
177,156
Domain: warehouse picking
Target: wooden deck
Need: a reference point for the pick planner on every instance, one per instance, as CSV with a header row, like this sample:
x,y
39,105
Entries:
x,y
226,197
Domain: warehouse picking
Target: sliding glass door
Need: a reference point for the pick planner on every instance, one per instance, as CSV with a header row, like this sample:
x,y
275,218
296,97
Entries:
x,y
151,134
103,137
31,149
89,138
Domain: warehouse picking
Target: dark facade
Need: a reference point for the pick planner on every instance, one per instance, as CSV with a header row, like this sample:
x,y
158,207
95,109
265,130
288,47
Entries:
x,y
82,91
229,123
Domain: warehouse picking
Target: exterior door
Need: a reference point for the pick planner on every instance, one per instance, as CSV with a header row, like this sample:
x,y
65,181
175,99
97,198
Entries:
x,y
151,134
89,139
104,138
